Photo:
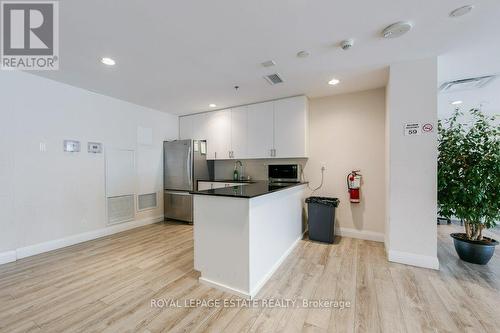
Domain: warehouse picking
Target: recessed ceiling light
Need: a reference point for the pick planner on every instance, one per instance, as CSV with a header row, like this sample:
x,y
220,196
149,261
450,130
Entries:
x,y
461,11
212,105
108,61
397,29
456,102
333,82
303,54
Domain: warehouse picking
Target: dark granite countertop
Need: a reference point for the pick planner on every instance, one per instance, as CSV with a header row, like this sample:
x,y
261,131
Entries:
x,y
229,181
253,189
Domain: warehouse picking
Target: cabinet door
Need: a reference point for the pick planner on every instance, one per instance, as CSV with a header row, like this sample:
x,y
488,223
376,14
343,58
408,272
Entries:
x,y
290,127
219,135
260,137
202,186
239,132
218,185
185,127
199,124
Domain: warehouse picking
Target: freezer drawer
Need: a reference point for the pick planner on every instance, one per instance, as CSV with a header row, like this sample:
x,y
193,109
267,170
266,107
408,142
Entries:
x,y
178,205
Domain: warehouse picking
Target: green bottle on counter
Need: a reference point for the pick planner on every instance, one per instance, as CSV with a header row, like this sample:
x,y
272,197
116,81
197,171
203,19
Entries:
x,y
236,176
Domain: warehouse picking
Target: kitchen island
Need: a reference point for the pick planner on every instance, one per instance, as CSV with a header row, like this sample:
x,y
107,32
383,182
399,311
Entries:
x,y
243,233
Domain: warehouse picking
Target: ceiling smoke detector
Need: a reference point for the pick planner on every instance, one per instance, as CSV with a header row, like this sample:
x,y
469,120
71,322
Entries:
x,y
466,84
397,29
461,11
273,79
303,54
347,44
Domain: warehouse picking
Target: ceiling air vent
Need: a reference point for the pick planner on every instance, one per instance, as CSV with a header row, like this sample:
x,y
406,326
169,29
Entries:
x,y
466,84
273,79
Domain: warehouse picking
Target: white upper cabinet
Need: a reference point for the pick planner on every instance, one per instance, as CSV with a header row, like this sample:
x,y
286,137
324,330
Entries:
x,y
199,126
291,127
219,135
260,136
239,132
186,128
264,130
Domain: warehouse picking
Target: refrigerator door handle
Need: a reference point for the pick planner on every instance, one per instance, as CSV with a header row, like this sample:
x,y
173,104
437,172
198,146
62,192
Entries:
x,y
190,167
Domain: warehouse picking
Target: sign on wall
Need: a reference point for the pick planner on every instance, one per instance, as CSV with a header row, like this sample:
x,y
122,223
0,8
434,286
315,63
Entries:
x,y
412,129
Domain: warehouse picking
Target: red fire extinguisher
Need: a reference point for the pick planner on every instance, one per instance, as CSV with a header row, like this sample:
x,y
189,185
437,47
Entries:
x,y
353,186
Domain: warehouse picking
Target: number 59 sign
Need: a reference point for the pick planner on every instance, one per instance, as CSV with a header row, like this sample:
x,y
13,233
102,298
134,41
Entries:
x,y
412,129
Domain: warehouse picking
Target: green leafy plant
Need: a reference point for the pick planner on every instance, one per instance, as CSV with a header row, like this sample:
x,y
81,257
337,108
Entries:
x,y
469,171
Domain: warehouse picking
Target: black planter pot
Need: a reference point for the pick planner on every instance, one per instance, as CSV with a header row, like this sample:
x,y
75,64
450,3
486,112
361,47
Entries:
x,y
476,252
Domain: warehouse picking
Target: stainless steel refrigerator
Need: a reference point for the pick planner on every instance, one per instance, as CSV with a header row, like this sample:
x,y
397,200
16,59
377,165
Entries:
x,y
183,164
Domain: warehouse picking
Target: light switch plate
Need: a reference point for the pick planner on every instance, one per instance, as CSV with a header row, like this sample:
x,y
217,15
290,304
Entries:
x,y
94,147
71,146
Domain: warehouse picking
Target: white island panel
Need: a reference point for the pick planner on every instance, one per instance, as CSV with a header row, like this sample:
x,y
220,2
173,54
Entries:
x,y
221,248
240,242
275,228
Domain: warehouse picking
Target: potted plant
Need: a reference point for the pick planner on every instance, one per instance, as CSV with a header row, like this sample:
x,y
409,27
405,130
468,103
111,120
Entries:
x,y
469,180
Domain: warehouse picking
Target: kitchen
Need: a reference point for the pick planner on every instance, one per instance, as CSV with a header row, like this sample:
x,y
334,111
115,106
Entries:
x,y
265,220
172,156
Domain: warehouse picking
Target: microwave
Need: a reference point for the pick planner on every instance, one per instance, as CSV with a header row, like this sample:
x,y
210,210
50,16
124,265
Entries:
x,y
285,173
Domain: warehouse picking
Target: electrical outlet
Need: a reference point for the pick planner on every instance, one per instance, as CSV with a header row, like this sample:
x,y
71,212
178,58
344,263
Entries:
x,y
43,147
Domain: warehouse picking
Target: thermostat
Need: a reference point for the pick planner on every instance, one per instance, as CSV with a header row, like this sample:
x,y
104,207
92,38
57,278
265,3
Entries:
x,y
94,147
71,146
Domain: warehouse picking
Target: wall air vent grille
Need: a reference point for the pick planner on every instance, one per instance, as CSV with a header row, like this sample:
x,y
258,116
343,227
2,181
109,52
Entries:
x,y
121,209
273,79
466,84
147,201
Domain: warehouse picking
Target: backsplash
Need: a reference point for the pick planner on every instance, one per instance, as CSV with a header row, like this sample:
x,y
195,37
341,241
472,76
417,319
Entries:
x,y
256,169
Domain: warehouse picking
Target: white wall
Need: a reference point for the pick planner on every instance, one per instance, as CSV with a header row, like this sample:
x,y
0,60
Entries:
x,y
347,133
411,233
51,195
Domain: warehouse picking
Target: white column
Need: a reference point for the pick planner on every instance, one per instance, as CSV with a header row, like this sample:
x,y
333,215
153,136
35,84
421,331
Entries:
x,y
411,162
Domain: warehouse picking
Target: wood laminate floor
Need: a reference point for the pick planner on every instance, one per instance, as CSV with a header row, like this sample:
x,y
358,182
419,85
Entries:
x,y
107,285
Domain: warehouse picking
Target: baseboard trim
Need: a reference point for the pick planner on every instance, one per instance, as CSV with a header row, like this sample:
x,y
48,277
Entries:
x,y
361,234
225,288
413,259
275,267
8,256
35,249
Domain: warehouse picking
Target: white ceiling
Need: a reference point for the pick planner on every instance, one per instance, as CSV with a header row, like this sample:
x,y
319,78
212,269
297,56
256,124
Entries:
x,y
179,56
479,58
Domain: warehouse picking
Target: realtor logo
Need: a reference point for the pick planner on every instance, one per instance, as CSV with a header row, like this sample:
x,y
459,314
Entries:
x,y
29,35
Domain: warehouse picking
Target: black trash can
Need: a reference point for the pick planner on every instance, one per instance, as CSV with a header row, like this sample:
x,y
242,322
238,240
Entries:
x,y
321,211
